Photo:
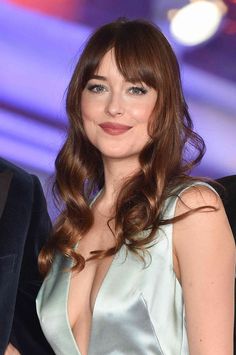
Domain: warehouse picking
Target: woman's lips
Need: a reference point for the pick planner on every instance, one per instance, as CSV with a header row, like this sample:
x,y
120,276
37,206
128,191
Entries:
x,y
114,128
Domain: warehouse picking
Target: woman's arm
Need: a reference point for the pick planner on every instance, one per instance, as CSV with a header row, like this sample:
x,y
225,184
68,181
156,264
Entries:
x,y
205,250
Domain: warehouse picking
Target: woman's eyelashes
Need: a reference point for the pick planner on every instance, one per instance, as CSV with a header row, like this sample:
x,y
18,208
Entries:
x,y
138,90
133,90
96,88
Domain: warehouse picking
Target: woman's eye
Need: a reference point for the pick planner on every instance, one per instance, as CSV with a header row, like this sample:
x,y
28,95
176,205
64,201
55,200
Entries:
x,y
136,90
97,88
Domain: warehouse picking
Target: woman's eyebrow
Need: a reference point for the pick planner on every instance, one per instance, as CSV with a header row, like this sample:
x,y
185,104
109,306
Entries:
x,y
99,77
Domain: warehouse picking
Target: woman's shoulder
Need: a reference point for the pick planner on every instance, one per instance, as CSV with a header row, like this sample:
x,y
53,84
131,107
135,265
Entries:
x,y
197,195
205,252
189,195
202,222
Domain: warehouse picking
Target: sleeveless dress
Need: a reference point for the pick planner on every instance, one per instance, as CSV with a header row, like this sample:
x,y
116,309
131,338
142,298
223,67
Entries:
x,y
139,310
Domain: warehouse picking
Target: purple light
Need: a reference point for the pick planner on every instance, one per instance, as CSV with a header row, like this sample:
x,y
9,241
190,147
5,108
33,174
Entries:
x,y
38,54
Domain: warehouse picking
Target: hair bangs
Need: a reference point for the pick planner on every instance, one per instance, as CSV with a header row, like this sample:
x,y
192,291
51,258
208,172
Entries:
x,y
98,45
132,62
135,56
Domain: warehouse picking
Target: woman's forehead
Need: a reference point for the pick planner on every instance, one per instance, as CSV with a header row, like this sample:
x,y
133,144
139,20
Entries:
x,y
110,63
132,69
107,60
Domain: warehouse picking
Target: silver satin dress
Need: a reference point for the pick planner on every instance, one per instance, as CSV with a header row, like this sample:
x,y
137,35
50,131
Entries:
x,y
138,310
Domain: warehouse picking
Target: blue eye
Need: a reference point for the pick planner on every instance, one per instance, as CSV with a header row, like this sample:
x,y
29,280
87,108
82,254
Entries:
x,y
97,88
136,90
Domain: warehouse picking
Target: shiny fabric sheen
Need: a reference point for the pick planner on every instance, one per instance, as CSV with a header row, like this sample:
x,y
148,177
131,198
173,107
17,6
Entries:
x,y
138,310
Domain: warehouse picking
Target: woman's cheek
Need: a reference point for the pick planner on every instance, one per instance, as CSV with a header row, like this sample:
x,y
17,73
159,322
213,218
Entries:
x,y
141,114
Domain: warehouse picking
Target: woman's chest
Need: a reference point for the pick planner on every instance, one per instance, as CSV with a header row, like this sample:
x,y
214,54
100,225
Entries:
x,y
132,306
83,288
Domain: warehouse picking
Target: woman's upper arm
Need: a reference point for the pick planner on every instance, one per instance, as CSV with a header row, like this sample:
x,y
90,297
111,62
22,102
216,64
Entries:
x,y
205,250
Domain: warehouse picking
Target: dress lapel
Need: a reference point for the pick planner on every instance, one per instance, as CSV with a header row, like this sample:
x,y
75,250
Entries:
x,y
5,181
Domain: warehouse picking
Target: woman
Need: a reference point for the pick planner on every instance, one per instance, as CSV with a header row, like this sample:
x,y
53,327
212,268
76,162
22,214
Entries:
x,y
126,265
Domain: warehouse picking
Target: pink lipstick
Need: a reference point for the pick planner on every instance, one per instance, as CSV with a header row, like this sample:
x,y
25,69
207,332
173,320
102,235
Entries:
x,y
114,128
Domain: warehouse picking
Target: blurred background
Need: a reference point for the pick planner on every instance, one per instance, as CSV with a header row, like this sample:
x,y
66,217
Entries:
x,y
41,40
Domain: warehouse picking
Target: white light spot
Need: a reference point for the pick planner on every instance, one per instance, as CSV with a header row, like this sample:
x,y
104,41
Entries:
x,y
196,22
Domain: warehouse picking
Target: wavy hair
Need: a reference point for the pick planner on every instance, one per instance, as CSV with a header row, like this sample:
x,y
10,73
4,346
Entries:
x,y
142,54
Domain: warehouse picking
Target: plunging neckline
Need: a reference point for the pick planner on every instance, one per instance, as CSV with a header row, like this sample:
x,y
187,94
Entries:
x,y
96,302
98,295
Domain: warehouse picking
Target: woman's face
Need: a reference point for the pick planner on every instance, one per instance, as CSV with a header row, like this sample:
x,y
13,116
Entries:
x,y
116,112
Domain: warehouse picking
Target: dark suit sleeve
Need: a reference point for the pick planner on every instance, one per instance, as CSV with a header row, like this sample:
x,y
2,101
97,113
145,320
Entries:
x,y
26,334
229,199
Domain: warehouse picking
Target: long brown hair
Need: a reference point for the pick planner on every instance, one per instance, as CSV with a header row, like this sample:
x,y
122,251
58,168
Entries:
x,y
142,54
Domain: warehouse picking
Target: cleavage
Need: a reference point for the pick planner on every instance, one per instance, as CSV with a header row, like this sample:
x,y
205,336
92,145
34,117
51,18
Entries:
x,y
84,289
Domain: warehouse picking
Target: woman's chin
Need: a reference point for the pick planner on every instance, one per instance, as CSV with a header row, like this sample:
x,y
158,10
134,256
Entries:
x,y
119,156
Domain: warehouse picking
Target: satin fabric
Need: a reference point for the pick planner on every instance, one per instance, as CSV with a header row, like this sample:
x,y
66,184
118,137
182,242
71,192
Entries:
x,y
138,310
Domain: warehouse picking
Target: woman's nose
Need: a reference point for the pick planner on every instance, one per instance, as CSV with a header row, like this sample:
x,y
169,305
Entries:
x,y
115,105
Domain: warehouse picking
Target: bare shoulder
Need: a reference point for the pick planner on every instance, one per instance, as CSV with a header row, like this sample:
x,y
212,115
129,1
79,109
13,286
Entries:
x,y
198,196
205,252
204,235
206,222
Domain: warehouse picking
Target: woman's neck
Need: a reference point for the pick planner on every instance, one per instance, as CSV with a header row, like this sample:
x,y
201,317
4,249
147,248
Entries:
x,y
116,172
